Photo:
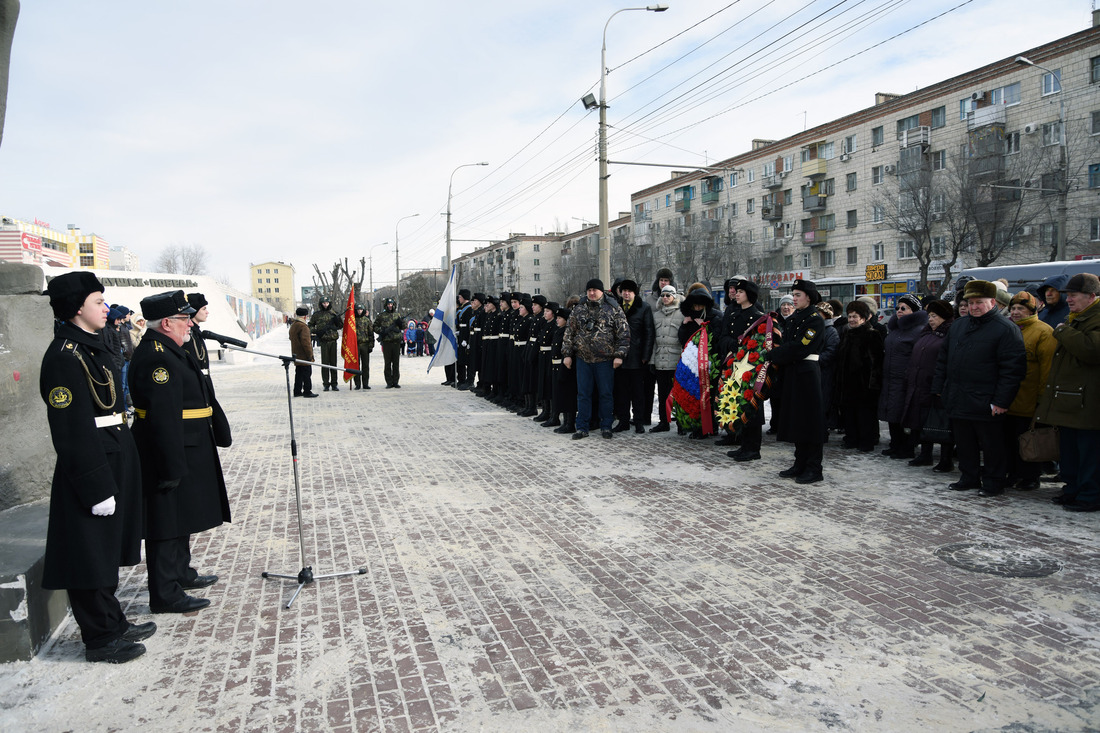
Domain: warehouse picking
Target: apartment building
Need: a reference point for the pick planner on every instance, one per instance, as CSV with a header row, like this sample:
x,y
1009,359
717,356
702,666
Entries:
x,y
122,258
522,262
273,283
999,163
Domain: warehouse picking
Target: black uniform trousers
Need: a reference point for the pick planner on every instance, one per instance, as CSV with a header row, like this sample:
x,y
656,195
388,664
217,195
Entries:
x,y
98,614
752,432
303,379
664,379
363,380
329,377
630,395
169,564
391,355
981,447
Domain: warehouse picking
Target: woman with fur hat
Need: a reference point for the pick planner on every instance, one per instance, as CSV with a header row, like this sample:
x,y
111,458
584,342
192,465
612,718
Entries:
x,y
1040,345
667,320
858,378
904,328
918,382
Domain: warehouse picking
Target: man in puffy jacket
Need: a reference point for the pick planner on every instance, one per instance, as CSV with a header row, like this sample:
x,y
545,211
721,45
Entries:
x,y
388,329
1071,398
1055,307
978,372
326,326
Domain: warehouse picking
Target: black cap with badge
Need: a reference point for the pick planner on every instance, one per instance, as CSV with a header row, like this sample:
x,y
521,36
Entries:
x,y
163,305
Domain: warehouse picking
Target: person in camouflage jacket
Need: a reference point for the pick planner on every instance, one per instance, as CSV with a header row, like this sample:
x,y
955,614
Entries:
x,y
388,328
597,338
364,334
326,325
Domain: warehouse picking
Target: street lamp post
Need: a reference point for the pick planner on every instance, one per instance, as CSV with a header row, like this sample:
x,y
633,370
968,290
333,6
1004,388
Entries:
x,y
449,184
370,264
397,260
605,238
1063,185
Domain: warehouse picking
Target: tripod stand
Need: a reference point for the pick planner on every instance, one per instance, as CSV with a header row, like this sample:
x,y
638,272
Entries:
x,y
305,576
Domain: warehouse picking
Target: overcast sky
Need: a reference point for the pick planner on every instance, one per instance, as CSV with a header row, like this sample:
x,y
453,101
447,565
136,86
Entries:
x,y
303,132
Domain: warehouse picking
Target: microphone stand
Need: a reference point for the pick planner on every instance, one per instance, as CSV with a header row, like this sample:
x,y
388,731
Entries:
x,y
305,576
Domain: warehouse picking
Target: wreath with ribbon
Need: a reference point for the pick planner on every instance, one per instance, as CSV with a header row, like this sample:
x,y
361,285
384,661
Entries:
x,y
746,376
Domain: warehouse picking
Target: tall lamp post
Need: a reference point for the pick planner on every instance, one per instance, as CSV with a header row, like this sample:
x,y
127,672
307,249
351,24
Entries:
x,y
370,264
589,103
397,260
449,184
1063,185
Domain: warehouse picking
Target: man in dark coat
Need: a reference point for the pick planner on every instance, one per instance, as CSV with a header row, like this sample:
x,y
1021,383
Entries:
x,y
978,372
388,329
301,348
197,348
489,325
741,312
630,379
1055,308
564,380
456,372
181,474
802,420
364,337
95,498
473,343
904,329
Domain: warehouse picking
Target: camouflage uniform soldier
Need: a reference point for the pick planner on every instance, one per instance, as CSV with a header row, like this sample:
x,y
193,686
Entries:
x,y
364,334
326,326
387,327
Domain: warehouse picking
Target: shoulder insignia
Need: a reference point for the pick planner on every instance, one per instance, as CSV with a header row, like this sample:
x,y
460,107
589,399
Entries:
x,y
69,345
810,333
60,397
160,375
158,346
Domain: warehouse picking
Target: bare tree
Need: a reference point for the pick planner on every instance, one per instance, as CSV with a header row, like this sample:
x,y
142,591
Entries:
x,y
182,259
337,284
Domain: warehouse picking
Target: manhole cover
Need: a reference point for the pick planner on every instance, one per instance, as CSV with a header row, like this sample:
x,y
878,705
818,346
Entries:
x,y
1006,562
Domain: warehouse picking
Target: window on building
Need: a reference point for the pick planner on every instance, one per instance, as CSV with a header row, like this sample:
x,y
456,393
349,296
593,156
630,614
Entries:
x,y
853,256
939,203
827,258
536,262
939,117
733,179
276,272
849,144
1094,69
1052,82
750,206
877,175
1094,126
825,150
86,261
877,137
850,181
788,162
788,262
807,225
276,279
536,249
878,213
939,246
1094,223
966,106
939,159
267,271
878,252
852,218
535,277
827,187
769,169
827,221
908,123
787,197
269,279
907,249
1048,234
804,260
1094,175
276,290
752,236
1006,95
1052,133
733,210
1012,143
668,200
751,175
259,279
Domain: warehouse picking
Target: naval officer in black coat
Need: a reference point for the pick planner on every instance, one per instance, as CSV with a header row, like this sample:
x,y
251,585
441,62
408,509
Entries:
x,y
181,473
95,498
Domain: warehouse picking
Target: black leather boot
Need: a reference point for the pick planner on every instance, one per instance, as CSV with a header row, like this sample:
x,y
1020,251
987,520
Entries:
x,y
568,425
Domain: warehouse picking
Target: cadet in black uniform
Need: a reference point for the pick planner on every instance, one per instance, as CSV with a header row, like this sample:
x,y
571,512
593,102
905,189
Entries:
x,y
565,380
802,416
197,348
95,498
181,475
473,347
742,312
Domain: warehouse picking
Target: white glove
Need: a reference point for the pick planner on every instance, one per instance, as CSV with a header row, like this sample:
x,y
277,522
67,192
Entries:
x,y
463,344
104,508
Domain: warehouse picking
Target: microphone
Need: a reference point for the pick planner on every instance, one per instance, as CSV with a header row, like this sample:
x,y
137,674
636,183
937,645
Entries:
x,y
354,372
211,336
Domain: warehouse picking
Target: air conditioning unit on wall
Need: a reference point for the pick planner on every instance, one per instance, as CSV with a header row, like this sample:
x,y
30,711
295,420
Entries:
x,y
889,169
845,157
977,96
1031,128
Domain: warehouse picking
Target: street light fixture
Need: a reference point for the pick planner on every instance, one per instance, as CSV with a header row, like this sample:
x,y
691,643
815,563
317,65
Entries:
x,y
397,261
1063,185
449,184
605,244
370,264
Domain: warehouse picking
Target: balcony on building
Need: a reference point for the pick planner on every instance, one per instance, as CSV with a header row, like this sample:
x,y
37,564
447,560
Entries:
x,y
915,136
711,197
776,180
811,202
683,204
987,148
644,215
771,212
815,237
774,244
991,115
711,226
814,168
